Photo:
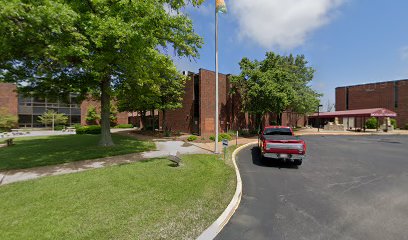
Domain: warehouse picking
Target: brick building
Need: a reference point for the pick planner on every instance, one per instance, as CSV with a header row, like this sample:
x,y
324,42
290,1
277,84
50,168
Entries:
x,y
28,109
197,114
392,95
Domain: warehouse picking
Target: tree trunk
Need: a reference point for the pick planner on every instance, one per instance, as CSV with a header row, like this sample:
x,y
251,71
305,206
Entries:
x,y
143,118
106,138
152,115
279,119
258,119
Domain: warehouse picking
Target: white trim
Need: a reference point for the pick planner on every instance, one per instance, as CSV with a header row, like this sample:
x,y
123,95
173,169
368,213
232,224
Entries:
x,y
212,231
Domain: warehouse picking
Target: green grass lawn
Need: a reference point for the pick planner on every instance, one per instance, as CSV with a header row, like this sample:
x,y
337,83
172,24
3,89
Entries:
x,y
41,151
143,200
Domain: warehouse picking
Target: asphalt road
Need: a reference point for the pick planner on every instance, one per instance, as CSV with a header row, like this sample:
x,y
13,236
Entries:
x,y
349,187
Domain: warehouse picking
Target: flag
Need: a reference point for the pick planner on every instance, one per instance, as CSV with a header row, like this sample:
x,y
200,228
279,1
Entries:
x,y
220,6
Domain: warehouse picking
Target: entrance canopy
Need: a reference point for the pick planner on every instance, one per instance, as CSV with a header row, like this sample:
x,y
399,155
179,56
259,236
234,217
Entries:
x,y
372,112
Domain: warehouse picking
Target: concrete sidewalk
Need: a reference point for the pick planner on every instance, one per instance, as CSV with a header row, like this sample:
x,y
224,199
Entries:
x,y
210,145
164,149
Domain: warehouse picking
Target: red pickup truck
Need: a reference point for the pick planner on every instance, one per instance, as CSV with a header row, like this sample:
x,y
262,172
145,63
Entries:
x,y
279,142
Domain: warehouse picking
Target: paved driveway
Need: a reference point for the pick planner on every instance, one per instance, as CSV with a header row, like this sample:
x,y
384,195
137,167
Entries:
x,y
349,187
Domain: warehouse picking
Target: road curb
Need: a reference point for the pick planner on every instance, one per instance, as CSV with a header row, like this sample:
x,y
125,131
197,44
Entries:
x,y
212,231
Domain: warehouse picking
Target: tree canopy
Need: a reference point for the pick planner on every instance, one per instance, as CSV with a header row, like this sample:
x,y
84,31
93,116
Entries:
x,y
276,84
162,88
53,47
52,117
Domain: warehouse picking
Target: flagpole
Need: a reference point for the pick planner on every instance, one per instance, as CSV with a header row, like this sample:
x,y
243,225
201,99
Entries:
x,y
216,83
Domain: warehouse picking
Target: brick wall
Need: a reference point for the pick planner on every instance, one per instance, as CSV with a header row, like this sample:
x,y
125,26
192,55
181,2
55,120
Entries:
x,y
207,102
9,98
376,95
402,110
182,119
340,99
86,104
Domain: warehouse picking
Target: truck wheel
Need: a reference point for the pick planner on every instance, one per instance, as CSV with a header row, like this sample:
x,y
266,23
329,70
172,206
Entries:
x,y
298,162
261,159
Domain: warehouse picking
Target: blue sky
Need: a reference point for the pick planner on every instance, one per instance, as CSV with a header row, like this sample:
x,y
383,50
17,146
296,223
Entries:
x,y
346,41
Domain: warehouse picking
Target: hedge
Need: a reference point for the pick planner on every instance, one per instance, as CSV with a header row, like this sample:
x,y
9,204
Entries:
x,y
91,129
221,137
124,126
192,138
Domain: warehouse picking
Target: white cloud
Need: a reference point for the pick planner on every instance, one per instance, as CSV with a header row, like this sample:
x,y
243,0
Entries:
x,y
281,23
404,53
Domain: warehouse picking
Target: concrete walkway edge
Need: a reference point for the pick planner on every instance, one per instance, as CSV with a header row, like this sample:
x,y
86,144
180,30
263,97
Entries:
x,y
212,231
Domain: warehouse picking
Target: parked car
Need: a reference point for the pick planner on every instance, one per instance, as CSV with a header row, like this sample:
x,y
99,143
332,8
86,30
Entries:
x,y
279,143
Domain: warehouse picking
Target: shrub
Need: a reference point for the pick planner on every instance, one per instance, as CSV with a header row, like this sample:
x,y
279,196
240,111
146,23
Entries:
x,y
76,126
394,123
244,132
232,133
254,132
371,123
124,126
7,121
406,126
167,133
192,138
221,137
91,129
59,127
224,136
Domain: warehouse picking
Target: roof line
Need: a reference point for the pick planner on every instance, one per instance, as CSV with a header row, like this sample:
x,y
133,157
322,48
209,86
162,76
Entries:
x,y
400,80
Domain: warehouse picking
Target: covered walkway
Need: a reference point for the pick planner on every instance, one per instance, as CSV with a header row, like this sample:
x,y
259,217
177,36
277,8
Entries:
x,y
352,119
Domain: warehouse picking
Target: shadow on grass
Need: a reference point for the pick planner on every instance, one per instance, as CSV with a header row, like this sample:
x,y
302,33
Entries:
x,y
268,162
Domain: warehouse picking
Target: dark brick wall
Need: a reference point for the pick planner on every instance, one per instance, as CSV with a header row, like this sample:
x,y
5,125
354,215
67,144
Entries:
x,y
376,95
182,119
231,115
207,101
340,99
402,110
9,98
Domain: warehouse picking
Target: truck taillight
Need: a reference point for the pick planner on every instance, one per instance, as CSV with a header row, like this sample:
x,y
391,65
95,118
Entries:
x,y
264,145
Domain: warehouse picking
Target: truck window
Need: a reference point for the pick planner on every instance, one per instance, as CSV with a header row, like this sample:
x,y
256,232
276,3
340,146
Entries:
x,y
277,131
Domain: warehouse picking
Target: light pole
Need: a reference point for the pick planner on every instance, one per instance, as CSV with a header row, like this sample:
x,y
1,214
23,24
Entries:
x,y
318,117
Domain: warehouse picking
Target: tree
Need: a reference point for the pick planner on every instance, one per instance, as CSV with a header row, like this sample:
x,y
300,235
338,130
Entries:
x,y
52,117
92,116
275,84
170,86
7,121
113,119
162,87
54,47
329,106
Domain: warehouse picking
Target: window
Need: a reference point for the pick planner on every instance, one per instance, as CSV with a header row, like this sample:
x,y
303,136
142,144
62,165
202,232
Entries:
x,y
277,131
